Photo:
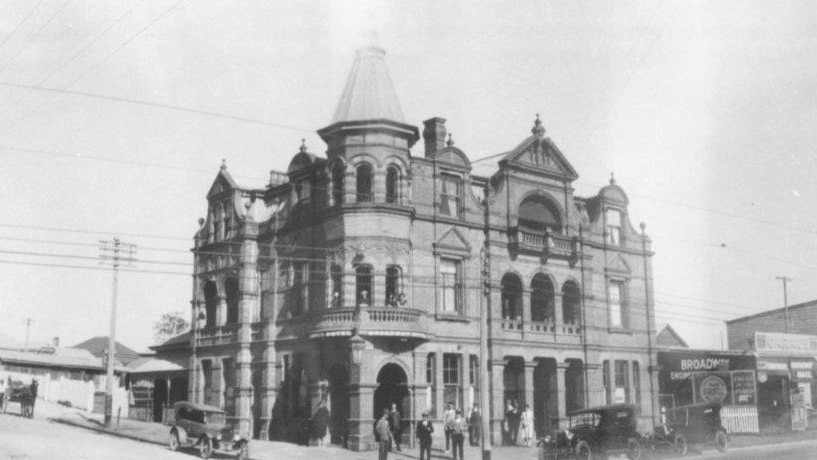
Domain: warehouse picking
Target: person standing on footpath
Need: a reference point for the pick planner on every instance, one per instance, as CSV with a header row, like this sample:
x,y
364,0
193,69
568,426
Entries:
x,y
448,424
458,435
527,426
474,426
424,431
513,422
383,436
395,425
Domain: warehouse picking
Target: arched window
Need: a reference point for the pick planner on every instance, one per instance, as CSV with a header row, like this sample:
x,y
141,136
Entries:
x,y
392,184
541,299
571,303
210,303
364,182
511,297
232,297
337,286
536,213
363,281
337,184
394,293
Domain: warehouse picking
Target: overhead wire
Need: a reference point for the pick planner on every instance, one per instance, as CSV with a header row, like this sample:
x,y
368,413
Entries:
x,y
34,36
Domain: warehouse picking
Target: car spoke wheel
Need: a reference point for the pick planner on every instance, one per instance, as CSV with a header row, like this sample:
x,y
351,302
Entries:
x,y
636,450
721,441
583,451
680,444
173,443
205,447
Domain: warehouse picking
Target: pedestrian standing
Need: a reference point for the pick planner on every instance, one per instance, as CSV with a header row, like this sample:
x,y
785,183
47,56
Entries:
x,y
395,425
383,435
527,425
424,431
513,423
448,424
458,435
475,426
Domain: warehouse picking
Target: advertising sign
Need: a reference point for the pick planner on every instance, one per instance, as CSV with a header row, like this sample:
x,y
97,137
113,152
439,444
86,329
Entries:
x,y
789,344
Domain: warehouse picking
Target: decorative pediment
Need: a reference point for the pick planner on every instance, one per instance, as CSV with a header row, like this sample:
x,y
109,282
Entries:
x,y
541,155
618,265
453,156
452,241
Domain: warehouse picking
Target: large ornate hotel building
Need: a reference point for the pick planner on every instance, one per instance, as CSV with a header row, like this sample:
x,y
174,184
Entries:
x,y
357,279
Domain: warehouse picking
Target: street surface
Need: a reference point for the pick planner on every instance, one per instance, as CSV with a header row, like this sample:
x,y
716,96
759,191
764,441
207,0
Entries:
x,y
41,439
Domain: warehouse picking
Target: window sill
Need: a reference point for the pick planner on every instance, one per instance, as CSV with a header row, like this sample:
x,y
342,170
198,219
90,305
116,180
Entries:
x,y
451,317
620,330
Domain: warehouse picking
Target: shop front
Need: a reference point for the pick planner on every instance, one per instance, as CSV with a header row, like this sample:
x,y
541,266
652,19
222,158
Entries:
x,y
785,375
703,376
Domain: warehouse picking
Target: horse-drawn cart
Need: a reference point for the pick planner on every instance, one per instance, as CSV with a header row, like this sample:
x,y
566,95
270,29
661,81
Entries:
x,y
25,395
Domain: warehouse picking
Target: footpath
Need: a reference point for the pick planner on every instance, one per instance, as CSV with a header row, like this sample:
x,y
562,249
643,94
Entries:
x,y
157,433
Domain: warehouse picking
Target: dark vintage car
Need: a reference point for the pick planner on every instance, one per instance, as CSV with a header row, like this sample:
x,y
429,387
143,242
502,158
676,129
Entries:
x,y
206,428
695,424
595,433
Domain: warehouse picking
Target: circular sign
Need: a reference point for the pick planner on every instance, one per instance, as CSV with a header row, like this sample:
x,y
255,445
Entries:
x,y
713,389
762,377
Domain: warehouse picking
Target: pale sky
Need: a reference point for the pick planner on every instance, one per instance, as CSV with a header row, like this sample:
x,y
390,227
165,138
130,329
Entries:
x,y
705,112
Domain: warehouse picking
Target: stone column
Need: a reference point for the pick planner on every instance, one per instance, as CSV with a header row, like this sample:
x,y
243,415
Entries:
x,y
439,387
379,184
361,435
530,368
526,313
269,388
247,305
561,368
558,317
350,185
378,294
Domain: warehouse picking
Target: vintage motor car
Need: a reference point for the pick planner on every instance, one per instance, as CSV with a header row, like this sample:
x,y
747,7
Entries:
x,y
595,433
693,424
206,428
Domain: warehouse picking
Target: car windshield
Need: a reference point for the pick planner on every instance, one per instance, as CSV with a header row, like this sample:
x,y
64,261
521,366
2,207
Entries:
x,y
589,418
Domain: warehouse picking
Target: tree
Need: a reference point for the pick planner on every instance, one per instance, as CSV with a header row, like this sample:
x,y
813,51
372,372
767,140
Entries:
x,y
171,325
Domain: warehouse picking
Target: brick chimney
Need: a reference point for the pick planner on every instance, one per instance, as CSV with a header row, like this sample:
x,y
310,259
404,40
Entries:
x,y
434,135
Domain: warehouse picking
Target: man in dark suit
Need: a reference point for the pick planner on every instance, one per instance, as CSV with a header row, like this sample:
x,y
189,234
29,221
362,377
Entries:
x,y
395,425
424,430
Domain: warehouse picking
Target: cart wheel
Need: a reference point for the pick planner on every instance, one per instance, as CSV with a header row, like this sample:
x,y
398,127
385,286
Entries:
x,y
243,451
680,444
721,441
583,451
205,447
173,443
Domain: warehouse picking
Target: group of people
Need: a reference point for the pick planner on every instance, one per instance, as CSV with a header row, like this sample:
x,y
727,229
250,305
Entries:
x,y
388,431
517,421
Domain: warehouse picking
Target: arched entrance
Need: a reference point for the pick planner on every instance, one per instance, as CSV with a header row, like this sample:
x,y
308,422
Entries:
x,y
392,387
545,397
338,404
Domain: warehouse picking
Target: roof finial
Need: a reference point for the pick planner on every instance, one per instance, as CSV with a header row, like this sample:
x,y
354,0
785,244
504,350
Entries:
x,y
612,179
223,164
302,148
372,38
449,142
538,130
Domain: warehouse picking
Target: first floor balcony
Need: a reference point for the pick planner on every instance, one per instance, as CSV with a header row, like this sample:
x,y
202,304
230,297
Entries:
x,y
369,321
547,245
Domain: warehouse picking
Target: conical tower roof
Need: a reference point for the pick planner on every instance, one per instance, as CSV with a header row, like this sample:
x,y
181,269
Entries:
x,y
369,93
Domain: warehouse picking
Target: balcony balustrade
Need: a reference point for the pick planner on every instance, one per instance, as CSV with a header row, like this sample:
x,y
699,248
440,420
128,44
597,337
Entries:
x,y
550,245
538,331
228,333
369,321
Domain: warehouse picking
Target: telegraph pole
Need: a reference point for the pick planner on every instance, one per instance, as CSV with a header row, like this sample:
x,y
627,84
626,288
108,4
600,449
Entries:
x,y
484,356
28,322
785,299
114,253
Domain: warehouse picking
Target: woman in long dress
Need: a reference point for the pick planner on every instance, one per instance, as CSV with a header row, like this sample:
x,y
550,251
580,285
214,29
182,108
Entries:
x,y
527,425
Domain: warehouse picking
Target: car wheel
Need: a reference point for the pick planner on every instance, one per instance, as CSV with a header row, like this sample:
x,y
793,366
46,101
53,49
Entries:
x,y
636,450
721,441
205,447
173,442
243,451
680,444
583,451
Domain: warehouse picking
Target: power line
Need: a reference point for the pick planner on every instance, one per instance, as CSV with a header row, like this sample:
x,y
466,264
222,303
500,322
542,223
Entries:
x,y
35,35
19,24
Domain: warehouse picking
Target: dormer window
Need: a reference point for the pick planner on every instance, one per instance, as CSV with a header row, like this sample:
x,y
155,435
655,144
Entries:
x,y
613,226
450,196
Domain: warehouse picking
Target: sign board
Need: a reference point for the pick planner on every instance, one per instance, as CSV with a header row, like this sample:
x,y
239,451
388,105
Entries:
x,y
743,387
788,344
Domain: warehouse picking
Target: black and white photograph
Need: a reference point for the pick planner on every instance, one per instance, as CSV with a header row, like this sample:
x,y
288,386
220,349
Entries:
x,y
361,229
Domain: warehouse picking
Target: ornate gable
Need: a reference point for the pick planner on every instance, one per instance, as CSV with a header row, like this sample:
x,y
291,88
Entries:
x,y
224,182
619,265
538,154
